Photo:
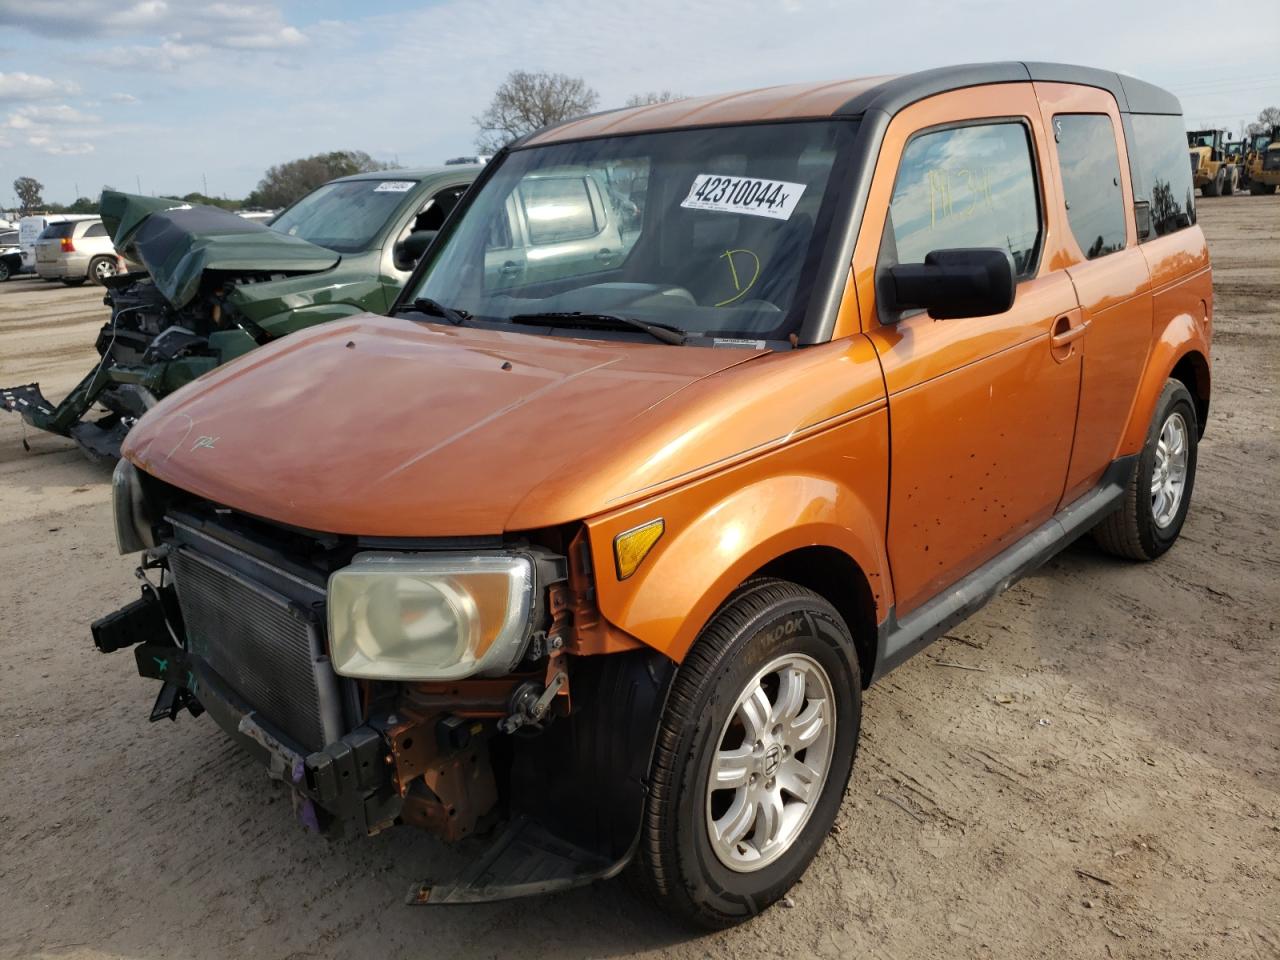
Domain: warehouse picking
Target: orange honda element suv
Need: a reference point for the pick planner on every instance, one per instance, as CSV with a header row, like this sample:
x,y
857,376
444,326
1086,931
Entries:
x,y
695,420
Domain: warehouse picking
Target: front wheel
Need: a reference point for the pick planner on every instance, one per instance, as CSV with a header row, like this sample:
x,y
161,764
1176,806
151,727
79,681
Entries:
x,y
754,752
1159,492
4,271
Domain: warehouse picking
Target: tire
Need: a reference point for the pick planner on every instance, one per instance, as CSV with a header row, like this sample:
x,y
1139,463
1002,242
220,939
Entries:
x,y
681,864
4,271
1213,188
100,268
1229,184
1135,531
1257,189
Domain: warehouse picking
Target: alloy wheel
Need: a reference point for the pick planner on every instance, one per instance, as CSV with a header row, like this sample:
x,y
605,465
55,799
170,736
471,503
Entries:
x,y
1169,470
771,763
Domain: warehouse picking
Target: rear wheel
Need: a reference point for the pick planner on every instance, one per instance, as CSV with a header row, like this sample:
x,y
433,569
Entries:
x,y
754,752
102,268
1159,493
4,271
1213,188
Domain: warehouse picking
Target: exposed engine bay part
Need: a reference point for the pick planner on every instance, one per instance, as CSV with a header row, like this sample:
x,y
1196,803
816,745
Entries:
x,y
161,320
559,835
530,703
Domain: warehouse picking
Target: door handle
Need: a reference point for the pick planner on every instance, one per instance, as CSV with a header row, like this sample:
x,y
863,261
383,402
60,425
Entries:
x,y
604,255
510,269
1064,334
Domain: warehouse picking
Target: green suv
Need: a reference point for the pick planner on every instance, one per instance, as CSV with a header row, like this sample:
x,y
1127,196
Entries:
x,y
217,285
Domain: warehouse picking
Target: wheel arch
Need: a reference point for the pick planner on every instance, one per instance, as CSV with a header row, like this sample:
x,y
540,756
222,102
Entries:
x,y
809,529
836,577
1192,370
1181,351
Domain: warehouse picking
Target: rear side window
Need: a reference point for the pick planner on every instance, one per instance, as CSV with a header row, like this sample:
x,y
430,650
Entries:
x,y
971,186
56,231
96,230
558,209
1161,169
1090,165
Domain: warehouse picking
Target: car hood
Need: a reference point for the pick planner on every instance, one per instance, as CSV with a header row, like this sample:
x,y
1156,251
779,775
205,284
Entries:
x,y
180,242
385,427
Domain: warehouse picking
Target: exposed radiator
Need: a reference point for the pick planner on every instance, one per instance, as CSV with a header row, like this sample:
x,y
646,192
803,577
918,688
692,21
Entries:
x,y
267,648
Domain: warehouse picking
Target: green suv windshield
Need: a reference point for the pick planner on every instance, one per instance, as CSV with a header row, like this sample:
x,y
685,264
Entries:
x,y
713,232
345,215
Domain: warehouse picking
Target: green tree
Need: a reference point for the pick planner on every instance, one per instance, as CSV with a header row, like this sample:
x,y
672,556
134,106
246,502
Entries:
x,y
28,190
526,101
284,183
197,197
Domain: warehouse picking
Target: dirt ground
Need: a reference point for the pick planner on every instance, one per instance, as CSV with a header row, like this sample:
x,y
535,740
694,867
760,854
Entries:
x,y
1103,781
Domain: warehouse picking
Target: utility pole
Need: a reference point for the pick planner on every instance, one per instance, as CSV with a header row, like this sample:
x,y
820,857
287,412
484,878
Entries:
x,y
204,178
138,179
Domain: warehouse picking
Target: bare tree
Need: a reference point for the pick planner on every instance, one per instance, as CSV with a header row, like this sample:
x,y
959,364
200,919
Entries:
x,y
651,96
526,101
28,191
1268,118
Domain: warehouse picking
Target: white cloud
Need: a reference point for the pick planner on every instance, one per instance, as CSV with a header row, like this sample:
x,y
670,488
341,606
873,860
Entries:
x,y
188,24
18,87
27,118
69,149
122,98
164,58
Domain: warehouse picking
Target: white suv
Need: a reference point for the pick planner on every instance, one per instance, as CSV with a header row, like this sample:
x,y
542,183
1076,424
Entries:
x,y
74,251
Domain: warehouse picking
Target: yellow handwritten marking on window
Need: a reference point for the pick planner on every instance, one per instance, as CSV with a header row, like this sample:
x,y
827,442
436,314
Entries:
x,y
945,184
737,281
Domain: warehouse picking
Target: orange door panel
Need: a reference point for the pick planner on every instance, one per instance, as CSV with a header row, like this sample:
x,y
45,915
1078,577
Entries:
x,y
1113,288
982,410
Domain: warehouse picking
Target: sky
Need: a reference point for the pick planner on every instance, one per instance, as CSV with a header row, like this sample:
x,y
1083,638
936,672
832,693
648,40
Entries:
x,y
167,96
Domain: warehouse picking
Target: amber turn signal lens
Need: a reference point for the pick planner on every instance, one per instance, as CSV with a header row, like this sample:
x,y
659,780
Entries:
x,y
632,546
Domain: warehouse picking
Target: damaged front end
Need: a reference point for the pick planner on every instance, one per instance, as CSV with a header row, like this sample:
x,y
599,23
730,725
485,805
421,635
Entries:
x,y
536,763
189,312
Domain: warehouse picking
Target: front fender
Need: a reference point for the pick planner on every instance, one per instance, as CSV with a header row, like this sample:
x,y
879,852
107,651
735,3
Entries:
x,y
829,489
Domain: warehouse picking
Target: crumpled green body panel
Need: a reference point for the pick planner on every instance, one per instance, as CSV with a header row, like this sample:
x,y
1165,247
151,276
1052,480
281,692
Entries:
x,y
178,242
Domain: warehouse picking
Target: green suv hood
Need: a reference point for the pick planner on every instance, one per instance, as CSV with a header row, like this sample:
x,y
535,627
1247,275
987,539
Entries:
x,y
178,242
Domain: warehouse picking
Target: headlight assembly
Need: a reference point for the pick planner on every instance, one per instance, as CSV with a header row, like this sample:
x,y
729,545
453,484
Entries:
x,y
133,527
430,616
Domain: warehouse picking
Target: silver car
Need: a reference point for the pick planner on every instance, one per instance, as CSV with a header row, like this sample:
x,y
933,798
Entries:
x,y
74,251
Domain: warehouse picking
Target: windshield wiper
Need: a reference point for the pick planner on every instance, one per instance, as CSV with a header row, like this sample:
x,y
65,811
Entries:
x,y
432,308
601,321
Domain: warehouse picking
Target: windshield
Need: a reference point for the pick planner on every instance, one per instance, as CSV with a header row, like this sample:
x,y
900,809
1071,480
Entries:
x,y
715,232
346,215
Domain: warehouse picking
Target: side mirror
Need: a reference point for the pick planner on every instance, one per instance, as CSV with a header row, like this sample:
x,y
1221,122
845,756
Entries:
x,y
1142,217
411,248
952,284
